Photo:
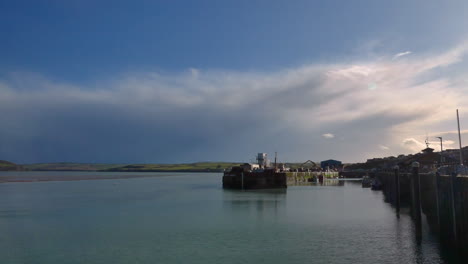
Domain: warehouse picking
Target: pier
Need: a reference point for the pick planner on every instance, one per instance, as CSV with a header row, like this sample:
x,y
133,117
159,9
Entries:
x,y
442,198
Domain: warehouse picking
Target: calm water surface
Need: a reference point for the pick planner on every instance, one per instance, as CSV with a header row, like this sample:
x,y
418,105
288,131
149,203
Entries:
x,y
189,218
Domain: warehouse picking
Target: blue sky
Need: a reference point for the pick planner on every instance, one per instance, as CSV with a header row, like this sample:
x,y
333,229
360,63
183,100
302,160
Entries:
x,y
181,81
88,40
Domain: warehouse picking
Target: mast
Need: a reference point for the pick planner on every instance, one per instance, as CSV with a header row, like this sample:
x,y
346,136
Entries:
x,y
459,139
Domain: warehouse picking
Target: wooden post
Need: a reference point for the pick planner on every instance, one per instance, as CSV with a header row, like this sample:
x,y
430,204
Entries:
x,y
453,179
242,180
416,199
397,189
437,184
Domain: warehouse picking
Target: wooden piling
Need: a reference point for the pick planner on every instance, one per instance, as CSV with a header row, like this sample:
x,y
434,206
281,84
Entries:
x,y
416,199
453,179
397,188
444,200
436,185
242,180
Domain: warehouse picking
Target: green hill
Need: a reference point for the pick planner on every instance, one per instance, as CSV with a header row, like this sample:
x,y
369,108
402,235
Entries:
x,y
8,166
184,167
69,166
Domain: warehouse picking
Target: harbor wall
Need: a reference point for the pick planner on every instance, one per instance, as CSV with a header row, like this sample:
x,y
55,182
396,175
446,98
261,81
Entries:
x,y
353,174
249,180
442,199
310,175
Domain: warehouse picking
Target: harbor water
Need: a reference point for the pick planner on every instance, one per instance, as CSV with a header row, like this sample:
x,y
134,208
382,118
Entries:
x,y
189,218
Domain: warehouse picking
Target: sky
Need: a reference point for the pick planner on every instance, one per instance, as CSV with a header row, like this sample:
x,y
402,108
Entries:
x,y
186,81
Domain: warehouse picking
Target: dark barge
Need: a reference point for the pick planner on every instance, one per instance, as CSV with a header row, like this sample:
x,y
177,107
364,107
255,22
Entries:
x,y
255,176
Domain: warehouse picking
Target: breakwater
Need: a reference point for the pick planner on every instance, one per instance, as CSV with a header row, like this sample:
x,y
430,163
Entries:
x,y
441,198
268,179
307,176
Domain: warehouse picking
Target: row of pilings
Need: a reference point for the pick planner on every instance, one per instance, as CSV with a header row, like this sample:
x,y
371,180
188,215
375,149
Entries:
x,y
442,199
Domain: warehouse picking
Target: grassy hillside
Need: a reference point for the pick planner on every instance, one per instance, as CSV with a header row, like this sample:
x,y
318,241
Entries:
x,y
183,167
7,166
192,167
67,166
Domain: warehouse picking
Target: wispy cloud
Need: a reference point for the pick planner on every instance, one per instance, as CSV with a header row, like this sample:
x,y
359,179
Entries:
x,y
382,147
401,54
413,144
199,114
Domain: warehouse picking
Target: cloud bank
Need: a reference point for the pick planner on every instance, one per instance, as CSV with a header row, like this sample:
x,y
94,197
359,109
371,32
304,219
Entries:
x,y
379,108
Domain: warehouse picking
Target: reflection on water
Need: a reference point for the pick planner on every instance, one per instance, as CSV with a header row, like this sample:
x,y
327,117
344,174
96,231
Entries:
x,y
255,201
189,218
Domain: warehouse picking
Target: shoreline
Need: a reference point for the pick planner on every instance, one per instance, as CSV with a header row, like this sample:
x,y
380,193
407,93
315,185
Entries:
x,y
48,178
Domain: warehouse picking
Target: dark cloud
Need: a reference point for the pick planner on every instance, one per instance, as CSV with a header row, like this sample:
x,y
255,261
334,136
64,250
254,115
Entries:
x,y
200,116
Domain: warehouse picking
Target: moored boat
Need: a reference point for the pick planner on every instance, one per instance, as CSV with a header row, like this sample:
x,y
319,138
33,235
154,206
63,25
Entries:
x,y
376,185
366,182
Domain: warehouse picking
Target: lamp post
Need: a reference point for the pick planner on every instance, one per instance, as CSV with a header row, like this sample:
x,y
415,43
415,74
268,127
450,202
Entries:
x,y
440,149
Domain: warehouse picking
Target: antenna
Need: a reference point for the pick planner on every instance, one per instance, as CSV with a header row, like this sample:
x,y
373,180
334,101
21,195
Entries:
x,y
427,141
